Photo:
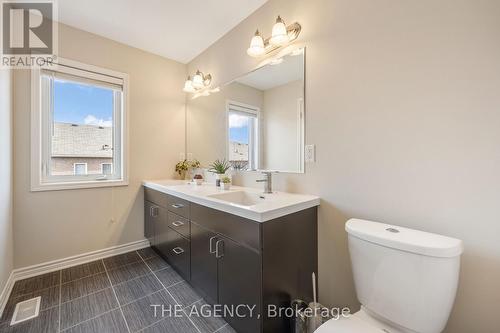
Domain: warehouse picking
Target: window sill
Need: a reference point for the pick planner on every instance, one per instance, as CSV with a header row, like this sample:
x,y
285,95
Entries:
x,y
77,185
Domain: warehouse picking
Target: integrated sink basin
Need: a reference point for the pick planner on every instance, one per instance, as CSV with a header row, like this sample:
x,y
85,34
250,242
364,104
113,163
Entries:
x,y
242,198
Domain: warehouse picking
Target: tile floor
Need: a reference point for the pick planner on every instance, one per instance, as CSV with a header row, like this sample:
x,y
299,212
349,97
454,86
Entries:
x,y
112,295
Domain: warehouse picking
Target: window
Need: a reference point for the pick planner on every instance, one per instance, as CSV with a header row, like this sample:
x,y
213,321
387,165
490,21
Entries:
x,y
78,126
106,168
243,136
80,169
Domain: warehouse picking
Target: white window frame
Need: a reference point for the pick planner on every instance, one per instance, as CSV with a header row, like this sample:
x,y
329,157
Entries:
x,y
253,149
107,163
86,168
39,165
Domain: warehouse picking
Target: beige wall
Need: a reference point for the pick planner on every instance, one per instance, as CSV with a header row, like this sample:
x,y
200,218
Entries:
x,y
6,234
207,123
58,224
280,134
403,105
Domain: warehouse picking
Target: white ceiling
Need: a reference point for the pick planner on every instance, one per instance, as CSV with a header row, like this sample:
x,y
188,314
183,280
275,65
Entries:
x,y
176,29
270,76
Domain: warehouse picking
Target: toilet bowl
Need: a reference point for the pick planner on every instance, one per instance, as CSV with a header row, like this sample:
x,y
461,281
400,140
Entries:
x,y
406,280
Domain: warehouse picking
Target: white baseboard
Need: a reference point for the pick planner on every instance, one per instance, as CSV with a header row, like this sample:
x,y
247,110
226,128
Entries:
x,y
4,296
55,265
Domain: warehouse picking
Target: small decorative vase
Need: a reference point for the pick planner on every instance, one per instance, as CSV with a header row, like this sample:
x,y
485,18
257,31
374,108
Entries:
x,y
226,186
182,174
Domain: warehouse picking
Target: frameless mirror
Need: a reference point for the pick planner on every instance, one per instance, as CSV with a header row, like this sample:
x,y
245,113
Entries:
x,y
256,121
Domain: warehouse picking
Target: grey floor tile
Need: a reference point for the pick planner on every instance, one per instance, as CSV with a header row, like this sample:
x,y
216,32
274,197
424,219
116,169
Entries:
x,y
46,322
128,272
168,276
156,263
207,318
50,298
83,287
226,329
87,307
131,290
111,322
172,325
141,313
35,283
184,294
147,253
121,259
81,271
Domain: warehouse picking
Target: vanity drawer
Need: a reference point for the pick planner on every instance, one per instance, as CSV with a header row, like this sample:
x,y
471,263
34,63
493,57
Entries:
x,y
239,229
178,206
156,197
179,254
179,224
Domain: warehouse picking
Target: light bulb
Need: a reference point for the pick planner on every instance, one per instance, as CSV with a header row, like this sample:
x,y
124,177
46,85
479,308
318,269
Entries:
x,y
188,86
256,45
198,80
279,35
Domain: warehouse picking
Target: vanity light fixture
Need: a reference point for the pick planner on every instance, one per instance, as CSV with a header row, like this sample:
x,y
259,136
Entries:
x,y
256,45
188,86
281,35
199,81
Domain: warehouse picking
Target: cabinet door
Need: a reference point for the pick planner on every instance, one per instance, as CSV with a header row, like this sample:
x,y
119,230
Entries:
x,y
161,230
203,262
239,280
149,217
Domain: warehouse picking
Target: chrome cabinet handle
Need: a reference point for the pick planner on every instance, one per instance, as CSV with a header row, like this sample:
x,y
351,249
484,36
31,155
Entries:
x,y
178,250
217,249
212,244
177,206
154,211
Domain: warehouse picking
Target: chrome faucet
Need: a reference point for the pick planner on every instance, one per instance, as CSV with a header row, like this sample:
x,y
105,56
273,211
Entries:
x,y
268,180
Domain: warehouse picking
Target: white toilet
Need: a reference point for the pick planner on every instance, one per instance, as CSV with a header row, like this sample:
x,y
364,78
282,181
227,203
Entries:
x,y
406,280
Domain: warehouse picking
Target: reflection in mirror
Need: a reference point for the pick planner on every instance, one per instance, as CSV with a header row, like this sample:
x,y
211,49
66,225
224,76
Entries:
x,y
256,121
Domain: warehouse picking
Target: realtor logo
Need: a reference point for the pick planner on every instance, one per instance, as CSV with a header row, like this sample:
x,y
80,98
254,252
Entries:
x,y
28,36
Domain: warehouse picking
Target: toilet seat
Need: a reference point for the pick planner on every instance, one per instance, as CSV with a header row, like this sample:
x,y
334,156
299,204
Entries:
x,y
352,324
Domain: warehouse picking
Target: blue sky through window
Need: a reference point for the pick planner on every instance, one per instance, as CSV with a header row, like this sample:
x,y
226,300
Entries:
x,y
238,128
77,103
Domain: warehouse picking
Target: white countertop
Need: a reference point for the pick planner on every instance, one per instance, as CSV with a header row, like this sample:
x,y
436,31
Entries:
x,y
270,206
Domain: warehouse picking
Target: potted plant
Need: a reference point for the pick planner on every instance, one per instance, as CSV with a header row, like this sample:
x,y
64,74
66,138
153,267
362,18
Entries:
x,y
226,183
219,167
184,166
198,179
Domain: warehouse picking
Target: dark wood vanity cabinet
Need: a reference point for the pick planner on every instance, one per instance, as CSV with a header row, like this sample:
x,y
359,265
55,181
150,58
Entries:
x,y
171,235
233,261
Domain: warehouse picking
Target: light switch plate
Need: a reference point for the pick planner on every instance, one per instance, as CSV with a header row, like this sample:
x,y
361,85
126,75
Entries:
x,y
190,156
310,153
182,156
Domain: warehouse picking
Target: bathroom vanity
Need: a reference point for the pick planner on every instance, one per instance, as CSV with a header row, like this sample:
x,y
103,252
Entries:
x,y
238,247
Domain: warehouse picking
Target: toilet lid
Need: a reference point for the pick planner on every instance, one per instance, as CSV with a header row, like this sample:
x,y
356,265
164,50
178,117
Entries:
x,y
351,324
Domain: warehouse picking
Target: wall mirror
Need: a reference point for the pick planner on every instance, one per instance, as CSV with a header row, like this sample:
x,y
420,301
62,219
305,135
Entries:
x,y
256,121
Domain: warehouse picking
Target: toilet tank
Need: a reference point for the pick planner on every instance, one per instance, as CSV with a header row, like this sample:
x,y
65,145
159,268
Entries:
x,y
405,277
